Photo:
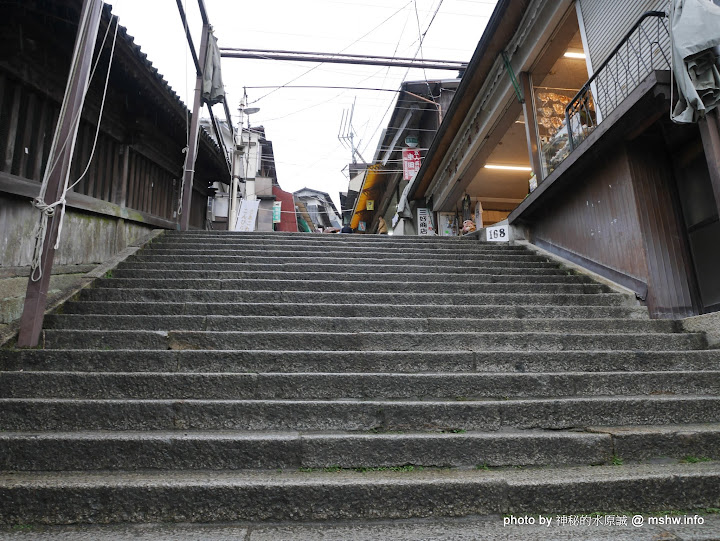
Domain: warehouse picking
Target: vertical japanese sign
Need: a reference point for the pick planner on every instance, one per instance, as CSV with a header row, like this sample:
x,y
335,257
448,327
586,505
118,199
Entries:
x,y
424,222
411,162
247,215
277,212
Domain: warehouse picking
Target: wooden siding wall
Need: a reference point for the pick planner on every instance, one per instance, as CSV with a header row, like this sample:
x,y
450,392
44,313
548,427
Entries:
x,y
596,218
662,228
27,123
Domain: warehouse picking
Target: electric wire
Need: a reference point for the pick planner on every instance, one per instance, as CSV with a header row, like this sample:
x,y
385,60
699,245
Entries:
x,y
344,49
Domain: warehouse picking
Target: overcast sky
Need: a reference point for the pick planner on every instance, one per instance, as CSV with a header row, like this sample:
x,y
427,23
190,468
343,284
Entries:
x,y
303,124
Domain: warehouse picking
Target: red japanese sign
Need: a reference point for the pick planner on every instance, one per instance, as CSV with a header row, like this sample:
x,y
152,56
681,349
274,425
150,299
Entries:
x,y
411,163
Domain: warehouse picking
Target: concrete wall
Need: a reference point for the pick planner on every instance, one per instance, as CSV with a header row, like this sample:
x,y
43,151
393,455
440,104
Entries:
x,y
86,237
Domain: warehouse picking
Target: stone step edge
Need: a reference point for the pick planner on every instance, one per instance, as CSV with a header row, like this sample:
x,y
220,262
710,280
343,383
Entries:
x,y
119,497
296,450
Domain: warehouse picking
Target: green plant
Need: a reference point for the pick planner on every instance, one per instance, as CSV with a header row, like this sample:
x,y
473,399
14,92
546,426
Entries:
x,y
616,461
694,459
482,466
109,274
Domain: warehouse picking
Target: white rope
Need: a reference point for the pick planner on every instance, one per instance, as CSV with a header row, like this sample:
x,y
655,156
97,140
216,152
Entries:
x,y
48,210
97,134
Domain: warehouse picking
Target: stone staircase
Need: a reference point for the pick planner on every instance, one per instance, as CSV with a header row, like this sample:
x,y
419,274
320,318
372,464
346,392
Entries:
x,y
301,377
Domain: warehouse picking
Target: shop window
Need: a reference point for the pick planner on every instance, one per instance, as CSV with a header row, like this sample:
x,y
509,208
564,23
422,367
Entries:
x,y
556,79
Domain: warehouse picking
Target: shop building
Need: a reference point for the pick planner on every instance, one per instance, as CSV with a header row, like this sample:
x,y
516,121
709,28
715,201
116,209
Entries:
x,y
561,125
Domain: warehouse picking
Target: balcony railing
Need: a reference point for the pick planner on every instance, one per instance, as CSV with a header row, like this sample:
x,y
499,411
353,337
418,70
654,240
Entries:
x,y
644,49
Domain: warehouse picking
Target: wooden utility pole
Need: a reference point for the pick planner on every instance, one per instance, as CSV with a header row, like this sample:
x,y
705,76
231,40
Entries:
x,y
191,155
36,297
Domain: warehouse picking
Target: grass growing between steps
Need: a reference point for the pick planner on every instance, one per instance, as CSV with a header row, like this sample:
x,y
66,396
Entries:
x,y
364,469
694,459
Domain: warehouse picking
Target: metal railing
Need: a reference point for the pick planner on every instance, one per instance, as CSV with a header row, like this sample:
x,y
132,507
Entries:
x,y
645,48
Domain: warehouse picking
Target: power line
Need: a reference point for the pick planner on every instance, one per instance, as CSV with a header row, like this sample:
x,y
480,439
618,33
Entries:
x,y
337,58
277,87
344,49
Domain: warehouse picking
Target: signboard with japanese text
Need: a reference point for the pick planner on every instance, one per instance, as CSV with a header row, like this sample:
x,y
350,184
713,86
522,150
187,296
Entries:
x,y
424,222
448,226
277,212
247,215
411,163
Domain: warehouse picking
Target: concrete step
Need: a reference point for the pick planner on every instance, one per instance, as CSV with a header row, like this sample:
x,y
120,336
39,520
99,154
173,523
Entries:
x,y
380,299
366,385
608,526
234,450
329,247
356,286
351,324
43,414
232,361
330,268
107,497
491,276
357,257
337,311
219,236
368,341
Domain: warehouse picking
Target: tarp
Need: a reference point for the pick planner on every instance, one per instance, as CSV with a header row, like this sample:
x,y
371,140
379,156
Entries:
x,y
695,31
213,91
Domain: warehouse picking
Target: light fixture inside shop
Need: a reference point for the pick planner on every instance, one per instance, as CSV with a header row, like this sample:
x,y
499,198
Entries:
x,y
574,54
508,167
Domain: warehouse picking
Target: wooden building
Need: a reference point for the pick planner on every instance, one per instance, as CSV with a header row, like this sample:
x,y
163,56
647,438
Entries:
x,y
134,179
578,95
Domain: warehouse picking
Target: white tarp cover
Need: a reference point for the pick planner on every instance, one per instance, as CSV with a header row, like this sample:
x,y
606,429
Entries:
x,y
695,27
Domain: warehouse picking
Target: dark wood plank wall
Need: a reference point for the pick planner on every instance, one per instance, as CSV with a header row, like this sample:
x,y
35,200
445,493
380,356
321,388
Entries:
x,y
596,219
670,275
138,160
28,121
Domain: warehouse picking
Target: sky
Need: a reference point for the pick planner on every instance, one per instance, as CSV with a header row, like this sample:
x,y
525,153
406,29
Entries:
x,y
304,123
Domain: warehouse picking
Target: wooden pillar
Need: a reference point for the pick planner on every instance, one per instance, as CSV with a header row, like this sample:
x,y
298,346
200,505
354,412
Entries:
x,y
710,134
36,297
191,155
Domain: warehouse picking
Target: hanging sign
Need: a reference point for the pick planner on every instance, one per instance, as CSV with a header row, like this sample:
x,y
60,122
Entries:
x,y
247,215
448,224
370,204
478,215
277,211
411,141
411,163
424,222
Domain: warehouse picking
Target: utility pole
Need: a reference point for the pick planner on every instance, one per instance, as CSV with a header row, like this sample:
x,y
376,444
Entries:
x,y
191,155
65,134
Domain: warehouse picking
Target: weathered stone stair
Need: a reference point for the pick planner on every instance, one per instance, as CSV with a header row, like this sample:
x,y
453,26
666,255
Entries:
x,y
229,376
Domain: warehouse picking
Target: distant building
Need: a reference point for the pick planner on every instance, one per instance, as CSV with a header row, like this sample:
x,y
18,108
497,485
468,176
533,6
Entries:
x,y
318,208
255,170
376,190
